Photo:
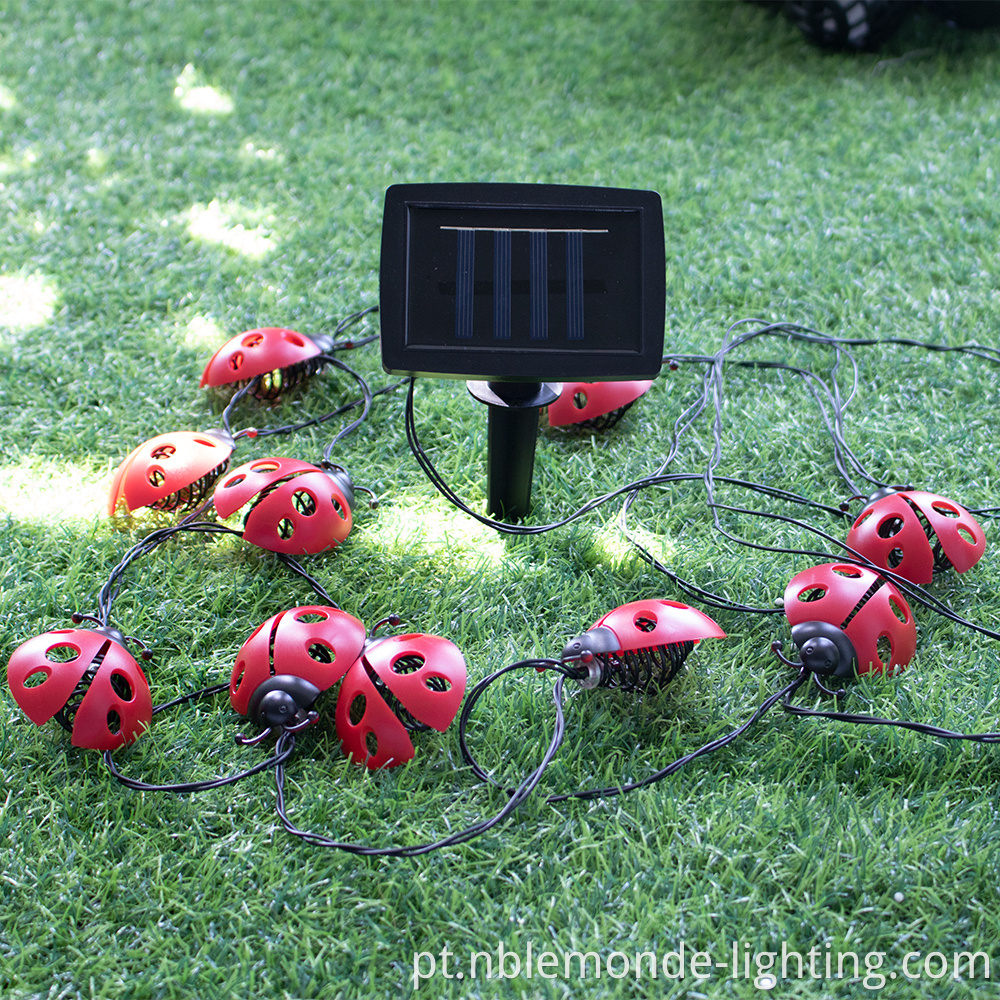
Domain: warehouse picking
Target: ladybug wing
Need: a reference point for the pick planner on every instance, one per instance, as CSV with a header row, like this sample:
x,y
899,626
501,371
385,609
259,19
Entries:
x,y
115,494
318,644
962,539
305,515
884,615
242,484
256,352
367,728
580,401
644,624
117,707
889,533
425,672
43,671
253,665
829,592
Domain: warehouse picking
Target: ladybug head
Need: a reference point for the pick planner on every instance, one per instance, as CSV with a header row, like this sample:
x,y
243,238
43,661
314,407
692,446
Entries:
x,y
917,534
847,619
87,681
280,359
639,645
170,472
294,507
595,406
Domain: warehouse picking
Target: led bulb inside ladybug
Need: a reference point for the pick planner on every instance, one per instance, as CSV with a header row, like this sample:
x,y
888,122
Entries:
x,y
294,507
595,406
848,620
85,679
281,359
639,645
170,472
917,534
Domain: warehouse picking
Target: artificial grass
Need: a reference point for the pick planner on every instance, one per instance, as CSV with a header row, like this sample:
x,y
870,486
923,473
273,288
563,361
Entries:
x,y
172,173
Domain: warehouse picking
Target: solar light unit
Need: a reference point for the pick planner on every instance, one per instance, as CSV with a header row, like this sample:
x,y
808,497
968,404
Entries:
x,y
516,288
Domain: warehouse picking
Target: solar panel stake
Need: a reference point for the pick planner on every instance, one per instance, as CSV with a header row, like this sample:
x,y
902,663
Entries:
x,y
512,429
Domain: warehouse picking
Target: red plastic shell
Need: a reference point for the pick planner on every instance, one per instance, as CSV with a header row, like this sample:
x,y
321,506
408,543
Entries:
x,y
425,673
314,642
889,532
645,624
847,596
57,661
256,352
165,465
299,510
376,724
597,398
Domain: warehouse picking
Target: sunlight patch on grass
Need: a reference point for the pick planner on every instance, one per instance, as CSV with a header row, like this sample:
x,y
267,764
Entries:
x,y
200,98
47,490
436,529
202,333
20,162
26,301
7,98
611,548
219,223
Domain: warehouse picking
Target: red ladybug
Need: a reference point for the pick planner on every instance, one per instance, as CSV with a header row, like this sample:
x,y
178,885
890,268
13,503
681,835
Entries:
x,y
640,644
916,534
297,508
87,680
290,660
828,602
171,472
399,683
594,405
282,358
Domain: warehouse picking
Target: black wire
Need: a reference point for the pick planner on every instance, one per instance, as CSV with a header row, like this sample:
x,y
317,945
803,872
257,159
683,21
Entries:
x,y
873,720
516,799
281,755
610,790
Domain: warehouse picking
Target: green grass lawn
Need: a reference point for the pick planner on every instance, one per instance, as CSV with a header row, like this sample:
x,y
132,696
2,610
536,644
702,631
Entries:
x,y
173,173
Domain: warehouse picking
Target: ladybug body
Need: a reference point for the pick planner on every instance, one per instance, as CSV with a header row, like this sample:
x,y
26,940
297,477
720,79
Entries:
x,y
88,681
640,644
859,603
170,472
917,534
313,643
281,358
298,509
594,405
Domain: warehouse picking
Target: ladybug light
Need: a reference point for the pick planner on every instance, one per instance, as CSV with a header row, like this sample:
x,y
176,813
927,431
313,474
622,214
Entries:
x,y
282,358
170,472
297,508
390,686
917,534
87,681
594,405
640,644
848,619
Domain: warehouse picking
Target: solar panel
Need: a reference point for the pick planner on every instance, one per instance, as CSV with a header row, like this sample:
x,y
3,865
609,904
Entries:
x,y
522,282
